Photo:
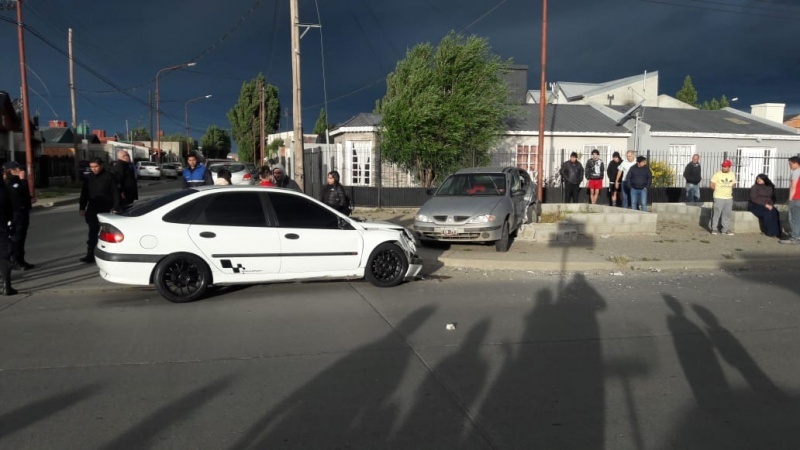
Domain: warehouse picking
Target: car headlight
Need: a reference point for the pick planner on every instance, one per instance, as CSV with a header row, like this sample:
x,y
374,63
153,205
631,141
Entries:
x,y
484,218
422,218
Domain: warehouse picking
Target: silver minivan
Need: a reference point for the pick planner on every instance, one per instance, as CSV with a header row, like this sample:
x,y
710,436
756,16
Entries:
x,y
479,204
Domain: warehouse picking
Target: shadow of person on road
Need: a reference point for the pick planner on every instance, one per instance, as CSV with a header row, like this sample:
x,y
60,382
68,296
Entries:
x,y
25,416
724,417
347,405
550,392
144,433
461,376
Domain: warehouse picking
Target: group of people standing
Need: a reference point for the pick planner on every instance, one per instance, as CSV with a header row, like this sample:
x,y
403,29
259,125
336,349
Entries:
x,y
761,199
628,180
273,175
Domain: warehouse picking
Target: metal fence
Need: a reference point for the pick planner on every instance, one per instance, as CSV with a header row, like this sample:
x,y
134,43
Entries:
x,y
363,167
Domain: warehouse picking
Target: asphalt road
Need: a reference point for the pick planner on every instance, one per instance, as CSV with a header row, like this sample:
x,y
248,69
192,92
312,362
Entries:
x,y
535,360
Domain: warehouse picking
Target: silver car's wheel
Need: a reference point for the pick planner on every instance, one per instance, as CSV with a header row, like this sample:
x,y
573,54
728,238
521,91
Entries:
x,y
182,277
502,244
386,266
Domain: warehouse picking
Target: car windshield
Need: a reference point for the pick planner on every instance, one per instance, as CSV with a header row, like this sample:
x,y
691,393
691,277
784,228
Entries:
x,y
473,184
142,208
147,164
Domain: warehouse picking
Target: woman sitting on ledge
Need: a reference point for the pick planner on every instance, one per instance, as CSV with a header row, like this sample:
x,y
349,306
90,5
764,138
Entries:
x,y
762,205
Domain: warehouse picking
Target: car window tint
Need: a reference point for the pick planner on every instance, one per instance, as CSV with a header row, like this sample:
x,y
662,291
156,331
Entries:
x,y
142,208
188,212
235,209
293,211
473,184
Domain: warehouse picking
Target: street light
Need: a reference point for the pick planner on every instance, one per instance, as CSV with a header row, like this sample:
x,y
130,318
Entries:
x,y
186,109
158,111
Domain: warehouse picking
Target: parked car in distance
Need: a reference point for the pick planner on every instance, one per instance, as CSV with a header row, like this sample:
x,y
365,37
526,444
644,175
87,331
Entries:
x,y
169,170
148,169
179,168
193,238
83,169
479,204
239,172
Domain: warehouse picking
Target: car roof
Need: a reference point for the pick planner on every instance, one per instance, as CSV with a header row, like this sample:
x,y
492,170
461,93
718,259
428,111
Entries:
x,y
487,169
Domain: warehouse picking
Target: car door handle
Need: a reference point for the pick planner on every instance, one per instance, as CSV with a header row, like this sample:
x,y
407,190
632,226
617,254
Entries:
x,y
292,236
208,234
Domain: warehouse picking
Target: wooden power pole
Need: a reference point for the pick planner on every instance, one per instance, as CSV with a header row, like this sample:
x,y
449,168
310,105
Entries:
x,y
74,107
297,109
542,108
26,118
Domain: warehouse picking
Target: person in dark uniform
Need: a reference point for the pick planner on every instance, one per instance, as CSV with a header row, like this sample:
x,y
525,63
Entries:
x,y
20,199
98,195
125,173
5,244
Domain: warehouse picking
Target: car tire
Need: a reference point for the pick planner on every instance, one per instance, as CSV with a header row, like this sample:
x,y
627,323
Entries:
x,y
387,265
182,277
502,244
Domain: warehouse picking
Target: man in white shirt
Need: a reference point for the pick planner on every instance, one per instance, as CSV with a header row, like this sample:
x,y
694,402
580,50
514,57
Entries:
x,y
622,178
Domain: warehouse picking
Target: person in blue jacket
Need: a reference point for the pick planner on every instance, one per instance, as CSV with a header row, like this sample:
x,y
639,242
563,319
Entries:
x,y
196,174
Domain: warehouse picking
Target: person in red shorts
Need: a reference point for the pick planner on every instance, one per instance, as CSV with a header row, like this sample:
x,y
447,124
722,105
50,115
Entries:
x,y
595,169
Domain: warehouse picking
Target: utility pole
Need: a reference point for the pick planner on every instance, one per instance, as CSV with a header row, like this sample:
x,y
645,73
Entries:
x,y
26,122
542,109
261,125
297,112
74,108
150,107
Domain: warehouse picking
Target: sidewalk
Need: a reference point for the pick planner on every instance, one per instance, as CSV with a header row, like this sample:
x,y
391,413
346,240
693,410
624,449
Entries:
x,y
675,246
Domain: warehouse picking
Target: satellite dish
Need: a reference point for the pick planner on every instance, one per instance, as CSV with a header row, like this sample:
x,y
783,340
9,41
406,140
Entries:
x,y
628,113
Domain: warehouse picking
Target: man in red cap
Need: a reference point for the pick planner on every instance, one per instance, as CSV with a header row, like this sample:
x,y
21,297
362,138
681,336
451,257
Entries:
x,y
722,184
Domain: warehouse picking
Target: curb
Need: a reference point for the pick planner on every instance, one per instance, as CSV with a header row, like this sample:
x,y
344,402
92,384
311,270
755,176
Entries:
x,y
636,266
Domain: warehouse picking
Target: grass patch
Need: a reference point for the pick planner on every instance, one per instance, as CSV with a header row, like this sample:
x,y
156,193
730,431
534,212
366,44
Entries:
x,y
739,249
552,217
621,260
650,259
705,241
52,193
727,255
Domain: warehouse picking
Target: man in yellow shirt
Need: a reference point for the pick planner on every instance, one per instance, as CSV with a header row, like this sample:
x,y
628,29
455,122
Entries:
x,y
722,184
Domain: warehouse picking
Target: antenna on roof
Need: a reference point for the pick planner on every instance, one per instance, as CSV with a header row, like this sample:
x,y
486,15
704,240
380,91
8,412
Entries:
x,y
629,113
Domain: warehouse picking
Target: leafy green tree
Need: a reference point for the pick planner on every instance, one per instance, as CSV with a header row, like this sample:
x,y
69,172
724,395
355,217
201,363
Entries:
x,y
687,93
244,115
216,143
322,123
273,147
140,134
723,102
444,107
705,105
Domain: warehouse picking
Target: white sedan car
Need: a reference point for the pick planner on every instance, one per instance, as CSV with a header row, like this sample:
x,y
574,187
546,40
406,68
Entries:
x,y
220,235
147,169
240,173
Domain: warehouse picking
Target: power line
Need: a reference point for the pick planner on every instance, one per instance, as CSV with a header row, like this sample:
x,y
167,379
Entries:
x,y
750,10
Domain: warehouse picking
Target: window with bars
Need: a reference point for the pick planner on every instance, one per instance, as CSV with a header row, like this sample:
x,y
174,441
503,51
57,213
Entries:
x,y
361,163
526,157
679,156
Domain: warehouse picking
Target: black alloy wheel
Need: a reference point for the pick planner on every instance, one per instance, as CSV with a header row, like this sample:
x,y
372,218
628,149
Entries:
x,y
182,277
386,266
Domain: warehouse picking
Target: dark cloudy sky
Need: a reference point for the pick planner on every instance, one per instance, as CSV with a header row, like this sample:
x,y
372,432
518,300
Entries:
x,y
739,48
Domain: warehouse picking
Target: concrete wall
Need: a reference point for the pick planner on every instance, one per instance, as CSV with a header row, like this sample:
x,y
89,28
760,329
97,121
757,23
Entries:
x,y
699,214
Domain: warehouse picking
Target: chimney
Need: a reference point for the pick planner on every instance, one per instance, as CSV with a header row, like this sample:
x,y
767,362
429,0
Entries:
x,y
101,134
58,124
769,111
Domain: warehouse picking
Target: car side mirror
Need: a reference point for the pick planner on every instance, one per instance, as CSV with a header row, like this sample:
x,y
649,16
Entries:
x,y
430,191
344,224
